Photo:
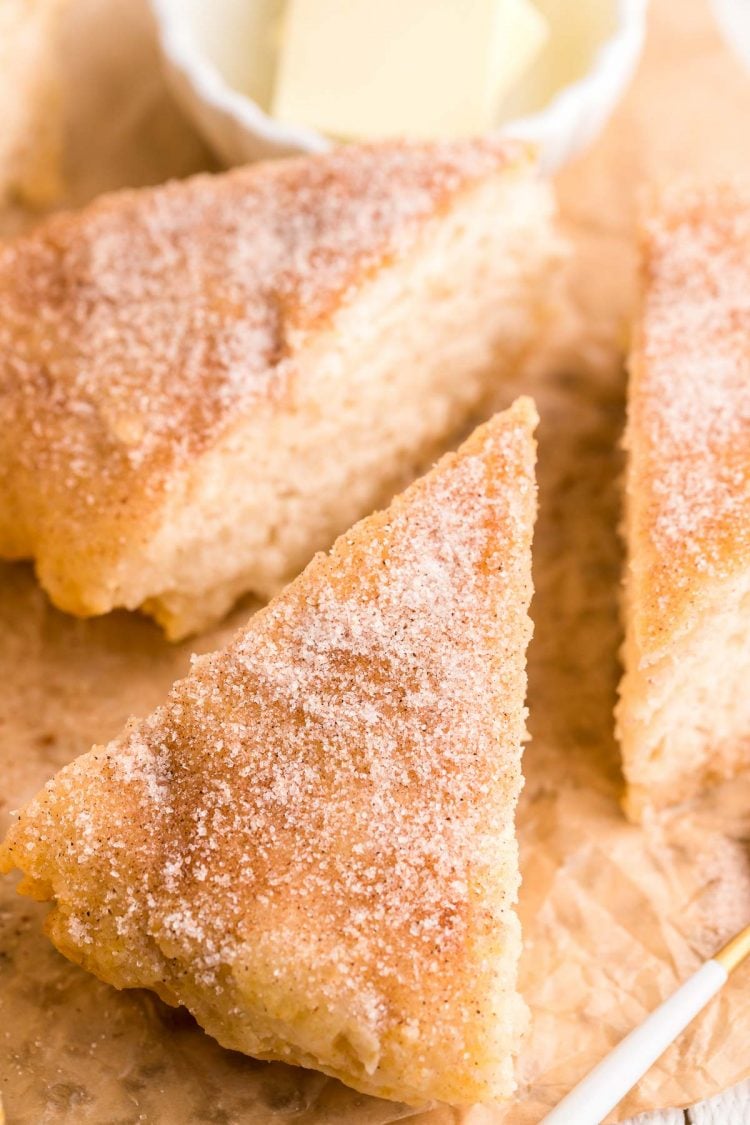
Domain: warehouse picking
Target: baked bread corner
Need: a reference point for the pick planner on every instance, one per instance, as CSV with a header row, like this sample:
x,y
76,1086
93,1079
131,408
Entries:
x,y
684,712
203,383
311,845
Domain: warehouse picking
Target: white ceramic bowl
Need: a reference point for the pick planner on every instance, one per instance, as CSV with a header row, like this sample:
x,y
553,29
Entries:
x,y
218,62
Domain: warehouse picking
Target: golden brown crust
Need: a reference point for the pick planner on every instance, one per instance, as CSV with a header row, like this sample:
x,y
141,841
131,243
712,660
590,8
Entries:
x,y
688,433
311,844
683,716
134,332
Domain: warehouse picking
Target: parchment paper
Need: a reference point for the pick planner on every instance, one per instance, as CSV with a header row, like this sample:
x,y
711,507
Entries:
x,y
614,916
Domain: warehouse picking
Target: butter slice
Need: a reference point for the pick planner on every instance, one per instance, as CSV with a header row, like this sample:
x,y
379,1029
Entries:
x,y
412,68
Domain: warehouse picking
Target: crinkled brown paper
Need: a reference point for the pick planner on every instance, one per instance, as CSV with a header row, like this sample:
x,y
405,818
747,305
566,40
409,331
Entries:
x,y
614,916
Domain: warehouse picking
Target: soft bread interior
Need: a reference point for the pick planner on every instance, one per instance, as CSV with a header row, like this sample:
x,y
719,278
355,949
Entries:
x,y
374,395
684,716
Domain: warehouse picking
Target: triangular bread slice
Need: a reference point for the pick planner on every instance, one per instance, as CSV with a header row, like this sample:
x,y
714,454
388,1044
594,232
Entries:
x,y
684,712
311,844
204,383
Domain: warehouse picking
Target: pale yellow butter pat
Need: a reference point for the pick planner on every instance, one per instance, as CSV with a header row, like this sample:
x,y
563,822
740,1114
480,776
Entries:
x,y
415,68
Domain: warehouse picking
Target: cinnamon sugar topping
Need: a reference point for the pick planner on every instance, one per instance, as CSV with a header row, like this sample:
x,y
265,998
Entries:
x,y
334,793
689,428
134,331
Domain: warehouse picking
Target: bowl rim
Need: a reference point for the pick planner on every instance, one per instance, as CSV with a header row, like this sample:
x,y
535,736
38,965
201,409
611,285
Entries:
x,y
610,64
213,87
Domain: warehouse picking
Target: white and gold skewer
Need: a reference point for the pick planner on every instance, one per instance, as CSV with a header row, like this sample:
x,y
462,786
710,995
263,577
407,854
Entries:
x,y
591,1100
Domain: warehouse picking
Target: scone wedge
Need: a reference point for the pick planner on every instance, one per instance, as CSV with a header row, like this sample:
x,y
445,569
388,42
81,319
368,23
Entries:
x,y
684,711
204,383
311,844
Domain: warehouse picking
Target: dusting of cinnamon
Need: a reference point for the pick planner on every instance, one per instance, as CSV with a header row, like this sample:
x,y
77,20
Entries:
x,y
689,405
317,827
134,331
